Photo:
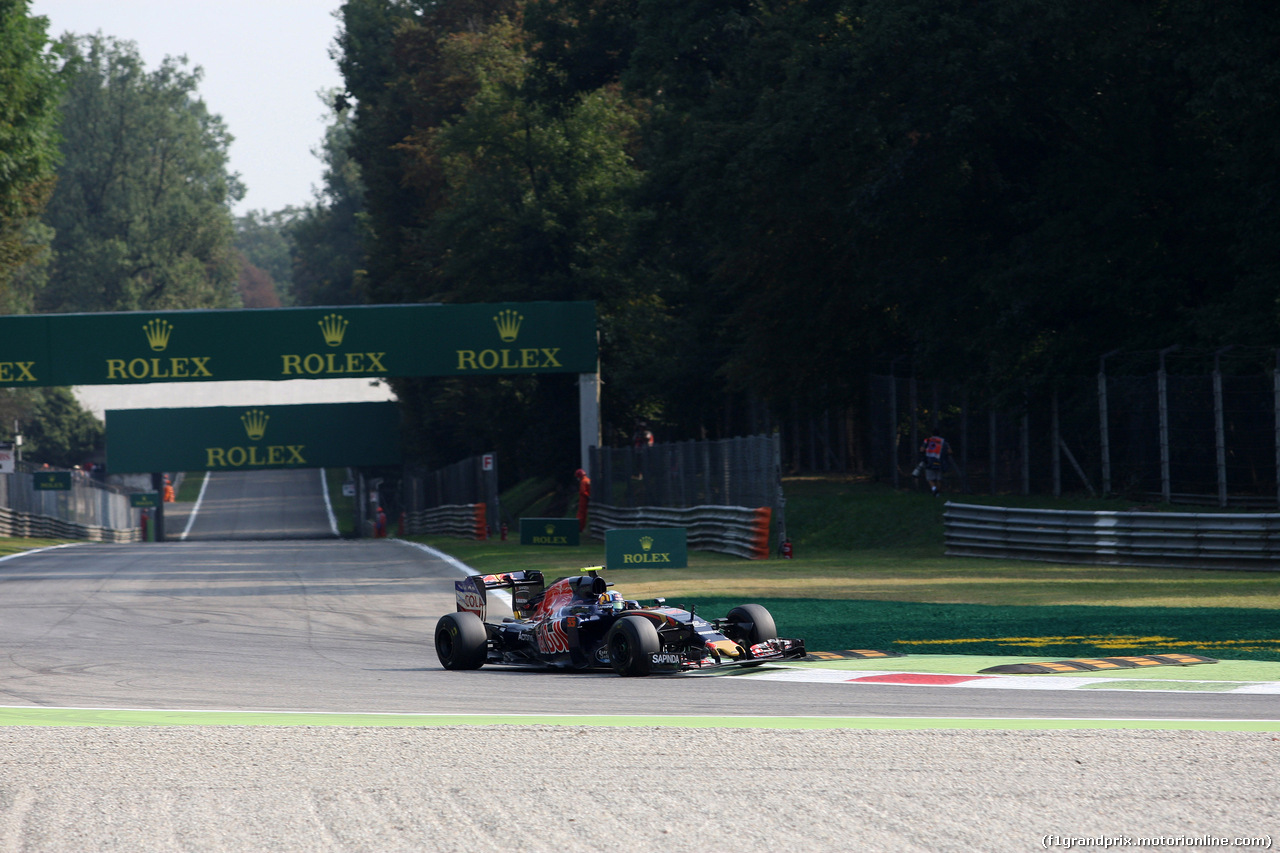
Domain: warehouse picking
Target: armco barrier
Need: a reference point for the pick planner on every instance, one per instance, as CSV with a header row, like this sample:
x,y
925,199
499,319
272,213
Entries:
x,y
26,525
1169,539
741,531
89,510
466,521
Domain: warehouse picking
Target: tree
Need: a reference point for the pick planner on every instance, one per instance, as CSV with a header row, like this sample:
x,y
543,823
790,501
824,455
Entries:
x,y
55,429
141,209
328,235
261,238
29,90
769,200
255,286
515,198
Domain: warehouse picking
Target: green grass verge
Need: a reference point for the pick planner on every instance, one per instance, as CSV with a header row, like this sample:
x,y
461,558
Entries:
x,y
189,491
344,508
979,629
17,545
12,716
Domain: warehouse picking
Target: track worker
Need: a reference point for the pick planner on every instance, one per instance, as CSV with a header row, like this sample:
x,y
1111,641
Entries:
x,y
935,456
584,498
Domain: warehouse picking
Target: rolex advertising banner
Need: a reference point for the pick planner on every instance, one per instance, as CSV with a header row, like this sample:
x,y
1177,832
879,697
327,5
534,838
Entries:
x,y
51,481
650,548
241,438
298,343
549,531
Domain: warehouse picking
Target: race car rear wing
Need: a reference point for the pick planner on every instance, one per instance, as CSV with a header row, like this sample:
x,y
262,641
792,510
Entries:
x,y
526,590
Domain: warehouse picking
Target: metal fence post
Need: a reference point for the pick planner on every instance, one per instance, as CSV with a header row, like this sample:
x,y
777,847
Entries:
x,y
1024,439
1162,389
893,425
915,416
1275,396
1057,444
1219,431
991,427
1104,428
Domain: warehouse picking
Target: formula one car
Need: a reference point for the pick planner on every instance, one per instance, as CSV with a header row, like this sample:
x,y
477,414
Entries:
x,y
578,623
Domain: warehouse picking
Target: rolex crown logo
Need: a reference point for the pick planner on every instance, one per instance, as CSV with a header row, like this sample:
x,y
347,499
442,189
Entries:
x,y
255,423
551,528
508,322
646,542
333,327
157,332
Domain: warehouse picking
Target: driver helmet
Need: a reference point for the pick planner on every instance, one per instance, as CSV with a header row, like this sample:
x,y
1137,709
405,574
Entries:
x,y
612,600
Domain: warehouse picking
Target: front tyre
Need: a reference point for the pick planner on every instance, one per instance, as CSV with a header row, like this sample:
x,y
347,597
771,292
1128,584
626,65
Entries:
x,y
754,625
632,642
461,641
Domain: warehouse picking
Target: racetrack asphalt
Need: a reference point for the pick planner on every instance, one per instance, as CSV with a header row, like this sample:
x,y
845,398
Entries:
x,y
259,694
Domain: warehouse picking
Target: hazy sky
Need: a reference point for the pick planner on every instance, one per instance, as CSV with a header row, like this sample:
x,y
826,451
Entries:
x,y
264,62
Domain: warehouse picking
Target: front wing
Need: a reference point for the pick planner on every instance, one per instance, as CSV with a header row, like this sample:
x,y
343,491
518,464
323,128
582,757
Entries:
x,y
770,651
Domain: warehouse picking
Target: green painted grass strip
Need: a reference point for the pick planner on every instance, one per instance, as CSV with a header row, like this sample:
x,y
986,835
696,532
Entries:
x,y
14,716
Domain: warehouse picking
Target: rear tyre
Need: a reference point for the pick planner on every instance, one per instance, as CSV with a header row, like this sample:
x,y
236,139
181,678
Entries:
x,y
755,625
632,642
461,641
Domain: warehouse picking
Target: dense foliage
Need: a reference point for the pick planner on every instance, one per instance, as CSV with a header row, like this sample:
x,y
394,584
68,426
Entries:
x,y
140,212
114,195
29,91
767,200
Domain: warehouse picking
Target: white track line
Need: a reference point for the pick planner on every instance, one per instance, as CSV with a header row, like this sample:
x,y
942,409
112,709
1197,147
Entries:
x,y
191,517
899,678
328,507
501,594
38,550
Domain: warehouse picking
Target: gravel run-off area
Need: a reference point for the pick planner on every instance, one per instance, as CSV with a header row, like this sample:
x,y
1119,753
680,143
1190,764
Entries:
x,y
565,788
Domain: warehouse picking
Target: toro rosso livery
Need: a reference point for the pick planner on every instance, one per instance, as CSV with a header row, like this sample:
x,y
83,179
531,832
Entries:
x,y
578,623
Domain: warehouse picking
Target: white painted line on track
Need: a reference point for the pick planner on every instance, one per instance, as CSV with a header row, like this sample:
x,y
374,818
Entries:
x,y
906,678
191,517
501,594
328,507
38,550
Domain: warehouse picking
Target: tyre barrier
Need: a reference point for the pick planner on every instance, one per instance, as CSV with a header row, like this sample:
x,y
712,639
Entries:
x,y
736,530
465,521
25,525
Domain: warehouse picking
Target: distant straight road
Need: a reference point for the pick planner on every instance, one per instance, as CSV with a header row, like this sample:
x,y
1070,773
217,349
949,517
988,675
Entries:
x,y
285,504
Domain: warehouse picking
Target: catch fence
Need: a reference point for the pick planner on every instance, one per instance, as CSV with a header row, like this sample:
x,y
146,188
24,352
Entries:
x,y
463,484
1174,426
89,510
733,472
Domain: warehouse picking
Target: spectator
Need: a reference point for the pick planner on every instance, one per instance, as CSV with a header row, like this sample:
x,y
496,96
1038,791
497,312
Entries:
x,y
935,457
584,497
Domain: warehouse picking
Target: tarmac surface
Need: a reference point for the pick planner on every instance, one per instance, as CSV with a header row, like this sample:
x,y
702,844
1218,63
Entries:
x,y
261,610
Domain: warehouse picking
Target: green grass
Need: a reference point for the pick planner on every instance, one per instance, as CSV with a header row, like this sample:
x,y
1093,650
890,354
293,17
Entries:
x,y
17,546
190,488
344,508
1048,631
